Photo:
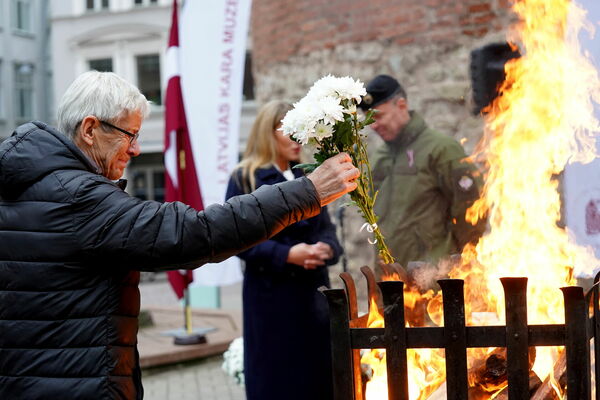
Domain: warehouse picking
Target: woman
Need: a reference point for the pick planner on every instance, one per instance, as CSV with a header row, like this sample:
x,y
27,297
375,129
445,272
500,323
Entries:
x,y
286,324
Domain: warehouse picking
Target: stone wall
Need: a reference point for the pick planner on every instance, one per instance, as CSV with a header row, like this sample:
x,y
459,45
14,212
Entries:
x,y
425,44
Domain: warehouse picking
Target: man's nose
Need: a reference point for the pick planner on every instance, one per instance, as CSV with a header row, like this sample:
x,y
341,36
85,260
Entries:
x,y
134,149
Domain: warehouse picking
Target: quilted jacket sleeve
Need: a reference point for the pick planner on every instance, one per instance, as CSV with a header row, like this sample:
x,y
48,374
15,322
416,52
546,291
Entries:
x,y
269,253
113,227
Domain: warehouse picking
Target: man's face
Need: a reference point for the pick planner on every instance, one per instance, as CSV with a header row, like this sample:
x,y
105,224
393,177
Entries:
x,y
112,149
391,117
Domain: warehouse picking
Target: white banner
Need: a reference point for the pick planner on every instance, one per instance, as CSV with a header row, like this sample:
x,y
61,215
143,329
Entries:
x,y
582,182
213,49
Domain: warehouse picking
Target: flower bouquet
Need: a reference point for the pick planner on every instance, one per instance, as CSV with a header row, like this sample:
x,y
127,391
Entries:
x,y
327,119
233,360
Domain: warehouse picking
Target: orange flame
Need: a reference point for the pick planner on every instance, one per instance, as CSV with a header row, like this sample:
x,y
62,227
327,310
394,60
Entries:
x,y
543,119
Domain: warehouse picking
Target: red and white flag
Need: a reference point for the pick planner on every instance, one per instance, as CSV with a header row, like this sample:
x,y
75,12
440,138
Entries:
x,y
181,180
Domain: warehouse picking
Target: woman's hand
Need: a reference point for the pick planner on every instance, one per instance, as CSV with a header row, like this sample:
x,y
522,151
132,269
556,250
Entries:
x,y
310,256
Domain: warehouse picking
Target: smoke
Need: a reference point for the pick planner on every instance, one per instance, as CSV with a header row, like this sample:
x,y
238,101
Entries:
x,y
425,275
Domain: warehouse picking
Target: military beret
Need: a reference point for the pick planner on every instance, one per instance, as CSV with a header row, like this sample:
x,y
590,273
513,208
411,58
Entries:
x,y
379,90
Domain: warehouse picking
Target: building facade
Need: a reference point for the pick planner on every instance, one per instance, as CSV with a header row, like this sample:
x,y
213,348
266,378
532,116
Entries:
x,y
25,68
128,37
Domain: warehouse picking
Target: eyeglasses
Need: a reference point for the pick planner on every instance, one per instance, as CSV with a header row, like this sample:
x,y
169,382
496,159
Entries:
x,y
132,136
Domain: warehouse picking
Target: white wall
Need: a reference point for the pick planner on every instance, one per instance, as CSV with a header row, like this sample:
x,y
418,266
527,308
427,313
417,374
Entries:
x,y
582,182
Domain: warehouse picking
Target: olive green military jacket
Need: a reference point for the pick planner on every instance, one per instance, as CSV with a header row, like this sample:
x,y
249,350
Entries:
x,y
425,186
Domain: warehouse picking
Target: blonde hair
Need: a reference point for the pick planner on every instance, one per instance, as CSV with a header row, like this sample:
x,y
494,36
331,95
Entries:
x,y
261,150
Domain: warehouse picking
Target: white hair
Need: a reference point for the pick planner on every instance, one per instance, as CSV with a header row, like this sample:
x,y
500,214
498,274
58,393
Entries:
x,y
104,95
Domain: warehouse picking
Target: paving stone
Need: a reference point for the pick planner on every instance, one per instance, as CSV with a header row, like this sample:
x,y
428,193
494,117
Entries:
x,y
186,372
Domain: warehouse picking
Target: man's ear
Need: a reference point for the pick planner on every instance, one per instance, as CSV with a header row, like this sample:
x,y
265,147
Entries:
x,y
86,129
401,103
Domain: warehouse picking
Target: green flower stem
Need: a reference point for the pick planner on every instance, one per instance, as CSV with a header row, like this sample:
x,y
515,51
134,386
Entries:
x,y
347,138
362,195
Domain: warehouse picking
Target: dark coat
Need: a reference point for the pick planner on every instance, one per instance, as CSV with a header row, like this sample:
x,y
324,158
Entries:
x,y
286,322
71,245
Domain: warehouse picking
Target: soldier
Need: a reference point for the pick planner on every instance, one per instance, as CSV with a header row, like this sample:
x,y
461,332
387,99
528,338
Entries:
x,y
425,183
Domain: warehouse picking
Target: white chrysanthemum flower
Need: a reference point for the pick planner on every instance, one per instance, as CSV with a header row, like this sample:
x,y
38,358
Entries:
x,y
331,109
350,89
322,106
300,122
233,360
302,137
323,131
309,110
351,109
324,87
345,88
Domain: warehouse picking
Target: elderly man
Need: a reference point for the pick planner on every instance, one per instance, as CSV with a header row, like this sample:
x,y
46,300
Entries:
x,y
73,242
425,183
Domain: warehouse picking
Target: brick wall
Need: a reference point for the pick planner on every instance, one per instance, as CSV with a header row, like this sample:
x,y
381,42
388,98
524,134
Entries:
x,y
425,44
284,28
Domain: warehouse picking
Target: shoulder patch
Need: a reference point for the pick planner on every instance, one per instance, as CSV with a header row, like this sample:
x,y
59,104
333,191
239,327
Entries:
x,y
465,182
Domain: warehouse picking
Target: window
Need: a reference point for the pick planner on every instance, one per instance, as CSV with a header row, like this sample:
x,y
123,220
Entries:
x,y
144,2
24,91
97,5
140,184
148,72
149,184
248,84
101,64
22,15
147,177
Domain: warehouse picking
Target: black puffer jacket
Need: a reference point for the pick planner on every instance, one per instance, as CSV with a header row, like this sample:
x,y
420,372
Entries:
x,y
71,243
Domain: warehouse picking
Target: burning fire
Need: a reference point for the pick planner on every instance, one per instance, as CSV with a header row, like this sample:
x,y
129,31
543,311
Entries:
x,y
543,120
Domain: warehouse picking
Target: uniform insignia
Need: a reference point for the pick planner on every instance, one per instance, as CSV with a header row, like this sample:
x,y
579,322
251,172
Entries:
x,y
411,157
465,182
367,99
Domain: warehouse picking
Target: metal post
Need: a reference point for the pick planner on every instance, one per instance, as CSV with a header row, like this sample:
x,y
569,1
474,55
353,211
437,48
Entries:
x,y
341,349
187,311
596,308
455,337
517,337
576,344
395,339
353,310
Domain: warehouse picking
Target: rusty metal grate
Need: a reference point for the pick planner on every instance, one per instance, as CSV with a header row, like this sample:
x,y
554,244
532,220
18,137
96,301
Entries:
x,y
349,334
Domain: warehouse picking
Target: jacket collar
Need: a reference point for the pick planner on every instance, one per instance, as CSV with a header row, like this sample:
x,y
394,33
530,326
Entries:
x,y
411,131
271,172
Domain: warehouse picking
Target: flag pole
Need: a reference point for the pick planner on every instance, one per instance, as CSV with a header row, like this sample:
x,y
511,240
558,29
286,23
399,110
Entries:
x,y
187,335
188,311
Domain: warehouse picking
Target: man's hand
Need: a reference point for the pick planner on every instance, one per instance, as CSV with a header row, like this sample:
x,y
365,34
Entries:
x,y
334,178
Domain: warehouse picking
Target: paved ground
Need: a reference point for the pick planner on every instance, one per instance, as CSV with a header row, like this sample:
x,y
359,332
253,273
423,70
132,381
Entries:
x,y
201,379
